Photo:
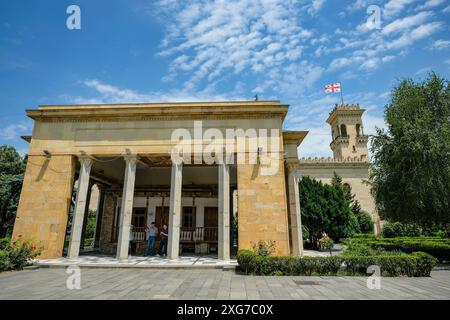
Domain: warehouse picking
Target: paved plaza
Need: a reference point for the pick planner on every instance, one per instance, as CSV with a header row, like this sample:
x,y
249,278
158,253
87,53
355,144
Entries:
x,y
148,283
103,261
140,262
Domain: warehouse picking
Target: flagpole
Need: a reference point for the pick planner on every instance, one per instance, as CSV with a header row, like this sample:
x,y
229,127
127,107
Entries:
x,y
342,96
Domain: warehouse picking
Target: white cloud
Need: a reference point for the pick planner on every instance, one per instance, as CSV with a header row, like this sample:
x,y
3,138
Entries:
x,y
430,4
418,33
446,9
361,4
315,6
406,23
317,142
440,44
107,93
209,40
14,131
393,7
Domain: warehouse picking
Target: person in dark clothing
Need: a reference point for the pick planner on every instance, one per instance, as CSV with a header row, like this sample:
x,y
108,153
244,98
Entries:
x,y
152,233
164,235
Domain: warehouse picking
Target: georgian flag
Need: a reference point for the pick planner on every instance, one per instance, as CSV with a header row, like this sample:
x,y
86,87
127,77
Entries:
x,y
335,87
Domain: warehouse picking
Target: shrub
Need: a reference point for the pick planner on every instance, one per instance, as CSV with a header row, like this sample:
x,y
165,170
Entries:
x,y
418,264
357,265
435,246
4,261
264,248
399,229
365,222
245,260
327,265
357,248
16,254
425,264
439,250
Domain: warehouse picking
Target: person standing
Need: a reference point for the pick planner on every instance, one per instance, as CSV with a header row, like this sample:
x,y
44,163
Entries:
x,y
132,244
164,235
152,232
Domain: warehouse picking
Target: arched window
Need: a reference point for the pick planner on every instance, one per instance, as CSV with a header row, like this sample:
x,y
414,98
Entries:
x,y
358,129
343,130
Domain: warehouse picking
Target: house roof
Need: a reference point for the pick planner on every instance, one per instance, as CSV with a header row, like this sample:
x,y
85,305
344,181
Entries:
x,y
162,110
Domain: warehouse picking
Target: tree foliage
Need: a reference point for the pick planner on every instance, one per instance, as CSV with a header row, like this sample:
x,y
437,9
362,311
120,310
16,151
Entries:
x,y
324,208
411,159
363,222
12,168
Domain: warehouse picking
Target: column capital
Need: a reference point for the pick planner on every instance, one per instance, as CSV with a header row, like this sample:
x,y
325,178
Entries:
x,y
85,160
130,158
292,166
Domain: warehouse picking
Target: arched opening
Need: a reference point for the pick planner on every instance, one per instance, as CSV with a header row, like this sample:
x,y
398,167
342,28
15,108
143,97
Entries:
x,y
358,129
343,130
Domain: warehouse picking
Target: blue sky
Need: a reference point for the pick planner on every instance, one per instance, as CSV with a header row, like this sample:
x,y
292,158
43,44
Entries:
x,y
157,51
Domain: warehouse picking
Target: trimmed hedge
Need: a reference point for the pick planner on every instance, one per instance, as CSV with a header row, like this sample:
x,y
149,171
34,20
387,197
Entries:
x,y
418,264
440,251
435,246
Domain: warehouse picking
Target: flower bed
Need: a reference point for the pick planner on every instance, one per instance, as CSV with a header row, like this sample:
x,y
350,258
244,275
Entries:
x,y
14,255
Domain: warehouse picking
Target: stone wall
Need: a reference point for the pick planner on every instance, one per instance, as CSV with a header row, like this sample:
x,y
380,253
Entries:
x,y
44,202
262,211
105,244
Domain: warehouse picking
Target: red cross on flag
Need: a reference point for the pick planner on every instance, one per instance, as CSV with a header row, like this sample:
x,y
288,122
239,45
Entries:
x,y
334,87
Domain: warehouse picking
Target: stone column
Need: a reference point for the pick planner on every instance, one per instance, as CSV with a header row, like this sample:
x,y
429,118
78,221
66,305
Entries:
x,y
80,207
173,247
224,212
126,207
294,212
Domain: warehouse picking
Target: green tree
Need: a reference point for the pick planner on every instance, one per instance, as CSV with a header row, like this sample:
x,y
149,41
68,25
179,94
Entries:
x,y
12,168
411,159
325,209
363,222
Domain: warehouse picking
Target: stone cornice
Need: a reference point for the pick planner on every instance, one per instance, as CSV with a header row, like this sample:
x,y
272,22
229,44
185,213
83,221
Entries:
x,y
160,111
294,137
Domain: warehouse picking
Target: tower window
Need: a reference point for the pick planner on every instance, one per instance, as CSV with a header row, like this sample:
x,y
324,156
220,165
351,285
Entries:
x,y
358,129
343,130
354,149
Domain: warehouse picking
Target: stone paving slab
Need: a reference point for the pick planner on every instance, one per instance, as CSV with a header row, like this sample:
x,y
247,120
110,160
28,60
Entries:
x,y
190,284
202,262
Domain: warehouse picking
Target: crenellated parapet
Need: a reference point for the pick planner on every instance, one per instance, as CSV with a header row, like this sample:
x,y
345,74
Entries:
x,y
331,159
330,162
348,107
